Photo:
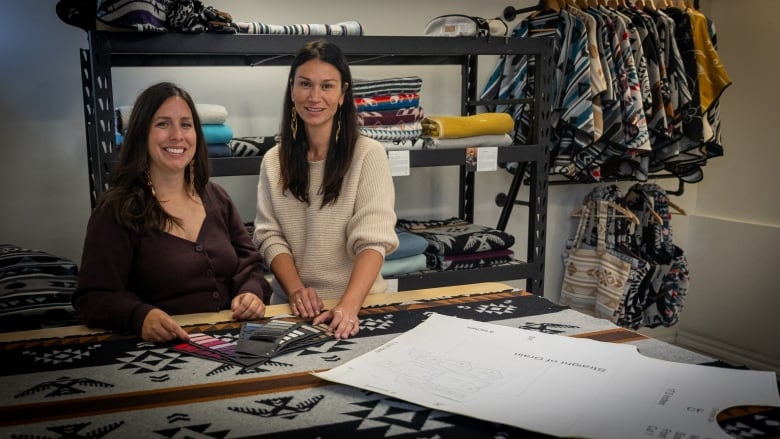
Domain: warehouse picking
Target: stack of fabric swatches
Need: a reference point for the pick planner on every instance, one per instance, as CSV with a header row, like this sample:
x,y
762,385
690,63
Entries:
x,y
257,343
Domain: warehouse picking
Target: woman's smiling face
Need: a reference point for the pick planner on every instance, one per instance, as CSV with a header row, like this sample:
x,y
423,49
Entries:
x,y
172,136
317,93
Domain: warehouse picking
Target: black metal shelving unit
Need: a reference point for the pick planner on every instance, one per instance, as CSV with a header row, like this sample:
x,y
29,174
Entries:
x,y
108,50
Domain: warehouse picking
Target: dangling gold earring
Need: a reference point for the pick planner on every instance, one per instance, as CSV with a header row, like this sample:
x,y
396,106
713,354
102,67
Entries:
x,y
294,122
338,123
192,178
149,183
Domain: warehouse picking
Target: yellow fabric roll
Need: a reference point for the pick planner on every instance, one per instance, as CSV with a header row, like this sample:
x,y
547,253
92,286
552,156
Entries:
x,y
452,127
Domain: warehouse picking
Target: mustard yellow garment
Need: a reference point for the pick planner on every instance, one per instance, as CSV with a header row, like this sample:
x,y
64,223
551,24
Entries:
x,y
713,78
452,127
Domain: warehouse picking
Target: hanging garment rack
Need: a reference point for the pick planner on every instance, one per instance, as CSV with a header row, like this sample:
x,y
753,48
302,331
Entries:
x,y
511,12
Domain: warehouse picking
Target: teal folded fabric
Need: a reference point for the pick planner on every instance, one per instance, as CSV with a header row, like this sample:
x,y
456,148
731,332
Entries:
x,y
409,264
217,133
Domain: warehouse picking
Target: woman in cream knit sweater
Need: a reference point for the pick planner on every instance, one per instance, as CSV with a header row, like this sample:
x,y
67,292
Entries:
x,y
325,199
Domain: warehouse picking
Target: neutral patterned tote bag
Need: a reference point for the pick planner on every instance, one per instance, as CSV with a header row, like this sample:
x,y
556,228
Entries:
x,y
594,280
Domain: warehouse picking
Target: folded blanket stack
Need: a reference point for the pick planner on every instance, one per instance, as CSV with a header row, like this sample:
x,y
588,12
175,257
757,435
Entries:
x,y
351,28
35,289
455,244
409,257
389,110
484,129
213,119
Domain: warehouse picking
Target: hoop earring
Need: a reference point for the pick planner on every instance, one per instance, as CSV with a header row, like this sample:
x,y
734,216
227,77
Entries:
x,y
294,122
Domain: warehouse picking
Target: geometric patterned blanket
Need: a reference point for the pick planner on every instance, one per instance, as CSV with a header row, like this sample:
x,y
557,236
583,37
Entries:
x,y
115,386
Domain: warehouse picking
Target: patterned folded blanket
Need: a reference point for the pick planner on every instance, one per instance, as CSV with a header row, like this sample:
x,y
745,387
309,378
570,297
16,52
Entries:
x,y
252,146
391,117
469,261
401,145
388,102
160,16
208,113
35,289
455,236
386,86
397,133
465,126
146,16
343,28
468,142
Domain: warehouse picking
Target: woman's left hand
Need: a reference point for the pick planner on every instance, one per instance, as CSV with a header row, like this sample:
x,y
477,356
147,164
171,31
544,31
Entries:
x,y
247,306
343,323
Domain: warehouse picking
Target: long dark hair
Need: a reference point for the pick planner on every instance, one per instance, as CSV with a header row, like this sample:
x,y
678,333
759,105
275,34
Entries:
x,y
293,149
129,195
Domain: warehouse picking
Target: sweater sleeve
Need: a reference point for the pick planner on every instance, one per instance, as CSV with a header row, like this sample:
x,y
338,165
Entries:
x,y
268,235
102,298
372,225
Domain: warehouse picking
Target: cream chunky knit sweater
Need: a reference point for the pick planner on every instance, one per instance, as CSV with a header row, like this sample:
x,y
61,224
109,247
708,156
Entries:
x,y
324,242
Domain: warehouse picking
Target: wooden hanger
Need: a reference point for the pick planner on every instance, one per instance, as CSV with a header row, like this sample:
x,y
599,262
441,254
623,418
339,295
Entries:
x,y
625,213
675,208
639,4
661,4
633,194
650,5
583,4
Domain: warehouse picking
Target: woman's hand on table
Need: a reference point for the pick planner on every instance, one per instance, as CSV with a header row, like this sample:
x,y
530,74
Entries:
x,y
343,323
158,326
247,306
305,303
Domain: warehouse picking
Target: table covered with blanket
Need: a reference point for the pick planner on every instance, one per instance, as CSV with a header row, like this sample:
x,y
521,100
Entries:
x,y
74,382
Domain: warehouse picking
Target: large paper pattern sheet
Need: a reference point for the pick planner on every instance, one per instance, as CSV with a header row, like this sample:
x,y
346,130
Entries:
x,y
552,384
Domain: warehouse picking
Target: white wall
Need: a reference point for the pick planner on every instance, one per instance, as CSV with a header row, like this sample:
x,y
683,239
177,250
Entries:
x,y
734,237
44,185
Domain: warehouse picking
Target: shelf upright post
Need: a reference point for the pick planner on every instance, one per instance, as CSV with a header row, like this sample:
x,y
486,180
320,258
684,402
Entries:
x,y
468,95
539,168
98,112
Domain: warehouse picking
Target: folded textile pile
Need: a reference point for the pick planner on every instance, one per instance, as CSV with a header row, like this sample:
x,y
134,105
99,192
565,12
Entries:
x,y
352,28
158,16
409,257
484,129
35,289
455,244
389,110
213,119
